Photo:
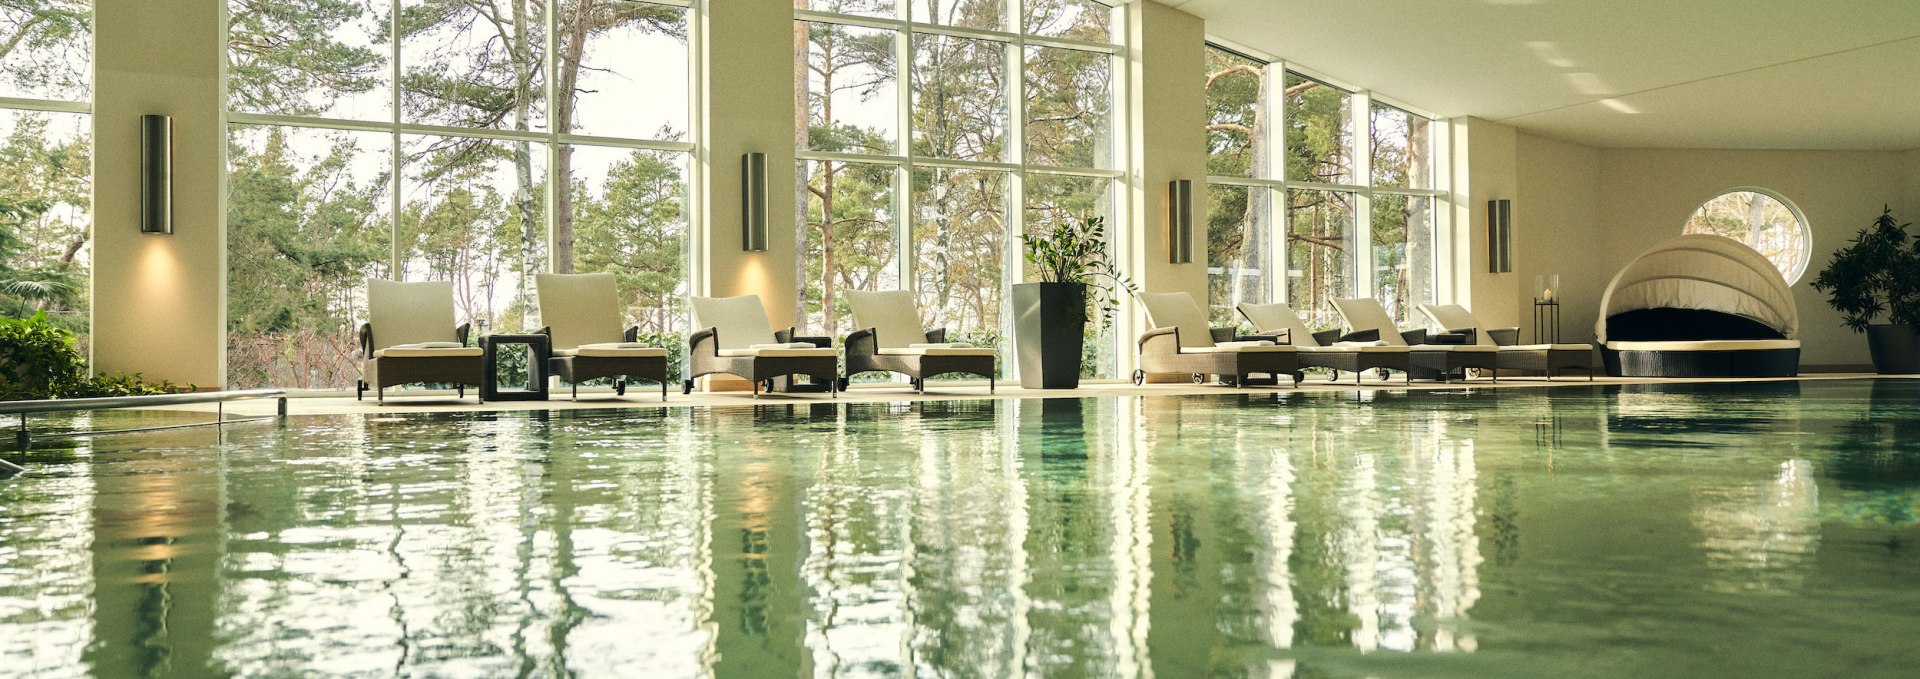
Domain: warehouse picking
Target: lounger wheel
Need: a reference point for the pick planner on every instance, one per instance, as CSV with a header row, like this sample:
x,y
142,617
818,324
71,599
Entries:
x,y
1199,378
1139,377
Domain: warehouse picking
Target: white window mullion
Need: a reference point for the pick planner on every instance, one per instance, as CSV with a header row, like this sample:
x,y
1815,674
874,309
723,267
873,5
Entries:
x,y
1273,144
1360,146
398,166
903,176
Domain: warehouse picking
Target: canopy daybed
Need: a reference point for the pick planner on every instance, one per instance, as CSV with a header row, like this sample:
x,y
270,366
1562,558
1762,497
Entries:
x,y
1699,306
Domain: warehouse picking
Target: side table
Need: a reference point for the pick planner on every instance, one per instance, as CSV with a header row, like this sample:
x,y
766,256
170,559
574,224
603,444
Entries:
x,y
539,347
1546,320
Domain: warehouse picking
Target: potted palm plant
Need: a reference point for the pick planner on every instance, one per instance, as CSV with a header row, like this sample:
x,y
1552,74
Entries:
x,y
1050,317
1878,276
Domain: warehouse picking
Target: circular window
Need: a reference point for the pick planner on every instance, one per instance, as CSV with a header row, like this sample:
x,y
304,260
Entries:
x,y
1765,222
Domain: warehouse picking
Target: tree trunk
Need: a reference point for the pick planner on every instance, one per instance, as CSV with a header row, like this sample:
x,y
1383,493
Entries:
x,y
573,41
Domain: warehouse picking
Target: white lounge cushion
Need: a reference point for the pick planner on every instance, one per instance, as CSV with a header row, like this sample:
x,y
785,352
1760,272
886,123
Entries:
x,y
1548,347
613,350
1356,348
427,350
1261,346
937,351
1178,310
1365,313
1381,344
1270,318
779,350
1706,345
580,309
410,313
740,321
1455,317
891,314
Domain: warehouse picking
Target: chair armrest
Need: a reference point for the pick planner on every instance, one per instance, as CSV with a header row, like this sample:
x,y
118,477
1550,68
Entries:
x,y
1157,336
631,335
1368,335
366,341
707,337
1414,336
462,332
937,336
862,343
1505,337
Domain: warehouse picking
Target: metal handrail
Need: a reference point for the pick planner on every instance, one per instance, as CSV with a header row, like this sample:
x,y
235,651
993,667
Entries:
x,y
25,408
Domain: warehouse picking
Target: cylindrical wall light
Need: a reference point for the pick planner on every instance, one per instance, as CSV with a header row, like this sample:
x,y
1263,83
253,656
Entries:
x,y
1180,221
156,174
1500,236
753,202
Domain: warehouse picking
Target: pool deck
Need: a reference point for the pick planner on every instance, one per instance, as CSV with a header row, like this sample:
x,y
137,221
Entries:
x,y
647,396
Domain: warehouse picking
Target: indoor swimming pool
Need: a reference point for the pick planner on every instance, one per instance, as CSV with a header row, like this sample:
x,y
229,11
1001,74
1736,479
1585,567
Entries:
x,y
1736,530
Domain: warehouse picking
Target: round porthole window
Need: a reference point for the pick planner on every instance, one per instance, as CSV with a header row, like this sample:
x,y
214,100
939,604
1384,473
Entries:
x,y
1762,220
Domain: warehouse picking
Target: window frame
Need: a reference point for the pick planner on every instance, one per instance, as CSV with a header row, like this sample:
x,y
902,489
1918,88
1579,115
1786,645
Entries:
x,y
1799,217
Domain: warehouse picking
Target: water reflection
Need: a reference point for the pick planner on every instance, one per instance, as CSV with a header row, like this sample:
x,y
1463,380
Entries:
x,y
1245,535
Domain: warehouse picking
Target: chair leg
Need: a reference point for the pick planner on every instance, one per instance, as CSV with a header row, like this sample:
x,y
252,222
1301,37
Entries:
x,y
380,396
990,385
686,387
359,390
576,391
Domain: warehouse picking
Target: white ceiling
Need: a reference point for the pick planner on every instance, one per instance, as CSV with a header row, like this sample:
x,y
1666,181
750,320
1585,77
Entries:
x,y
1747,74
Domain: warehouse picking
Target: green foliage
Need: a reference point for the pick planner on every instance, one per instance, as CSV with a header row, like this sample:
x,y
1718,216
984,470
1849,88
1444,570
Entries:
x,y
1879,273
40,360
1075,251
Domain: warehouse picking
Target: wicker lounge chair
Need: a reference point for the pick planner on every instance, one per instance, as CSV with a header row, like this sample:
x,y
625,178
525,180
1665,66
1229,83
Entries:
x,y
1328,348
1431,356
1181,342
736,339
1545,358
410,337
582,316
891,339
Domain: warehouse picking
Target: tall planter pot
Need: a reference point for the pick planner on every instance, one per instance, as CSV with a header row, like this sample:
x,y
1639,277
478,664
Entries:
x,y
1895,349
1049,329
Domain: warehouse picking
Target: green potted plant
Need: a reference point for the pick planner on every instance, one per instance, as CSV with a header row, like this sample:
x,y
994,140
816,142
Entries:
x,y
1050,317
1878,276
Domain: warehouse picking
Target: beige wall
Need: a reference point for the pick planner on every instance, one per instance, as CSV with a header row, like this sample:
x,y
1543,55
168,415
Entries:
x,y
159,300
1169,142
1486,172
1556,230
749,107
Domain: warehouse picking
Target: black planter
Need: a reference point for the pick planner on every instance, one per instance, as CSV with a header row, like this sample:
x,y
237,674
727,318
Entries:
x,y
1895,349
1049,329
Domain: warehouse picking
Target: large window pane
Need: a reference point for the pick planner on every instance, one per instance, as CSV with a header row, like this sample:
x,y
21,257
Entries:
x,y
46,216
1320,266
308,220
1319,131
959,98
1069,107
472,213
316,59
474,64
624,69
1087,20
46,49
1765,223
850,89
630,218
960,245
1236,116
869,8
1402,253
847,239
1402,149
1238,243
1051,200
987,14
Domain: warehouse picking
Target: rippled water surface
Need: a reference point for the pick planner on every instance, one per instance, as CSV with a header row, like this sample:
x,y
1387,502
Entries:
x,y
1700,530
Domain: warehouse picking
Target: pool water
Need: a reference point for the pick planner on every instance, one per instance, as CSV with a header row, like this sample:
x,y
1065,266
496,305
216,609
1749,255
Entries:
x,y
1737,530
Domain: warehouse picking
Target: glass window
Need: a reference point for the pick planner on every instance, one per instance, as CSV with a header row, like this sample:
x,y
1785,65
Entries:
x,y
1320,263
624,70
1238,243
468,215
1088,20
1319,131
1402,149
46,161
960,247
46,50
1763,221
1236,116
629,210
847,239
473,65
986,14
851,89
867,8
1402,228
1051,200
338,67
1069,106
959,98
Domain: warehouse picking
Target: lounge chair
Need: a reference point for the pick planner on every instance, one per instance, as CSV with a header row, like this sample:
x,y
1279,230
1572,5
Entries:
x,y
1513,355
1327,348
410,337
736,339
582,316
891,339
1181,342
1435,356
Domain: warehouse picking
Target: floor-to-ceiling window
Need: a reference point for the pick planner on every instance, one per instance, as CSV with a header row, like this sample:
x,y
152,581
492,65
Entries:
x,y
931,134
1316,193
471,141
46,166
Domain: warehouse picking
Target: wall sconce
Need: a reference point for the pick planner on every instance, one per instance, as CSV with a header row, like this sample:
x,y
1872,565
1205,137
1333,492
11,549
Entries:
x,y
156,174
1500,236
1180,221
753,202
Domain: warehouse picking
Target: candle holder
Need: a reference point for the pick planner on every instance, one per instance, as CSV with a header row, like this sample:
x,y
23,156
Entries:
x,y
1546,308
1546,287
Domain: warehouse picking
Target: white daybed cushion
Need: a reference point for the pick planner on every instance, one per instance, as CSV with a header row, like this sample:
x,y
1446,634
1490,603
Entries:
x,y
613,350
891,314
1703,271
427,350
410,313
741,321
1706,345
1268,318
580,309
1178,310
1255,347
